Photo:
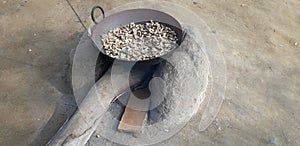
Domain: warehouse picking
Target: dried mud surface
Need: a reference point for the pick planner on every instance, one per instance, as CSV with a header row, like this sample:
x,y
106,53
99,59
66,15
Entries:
x,y
259,41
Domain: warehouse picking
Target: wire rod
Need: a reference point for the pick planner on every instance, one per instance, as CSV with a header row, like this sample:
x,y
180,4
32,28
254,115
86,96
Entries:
x,y
76,15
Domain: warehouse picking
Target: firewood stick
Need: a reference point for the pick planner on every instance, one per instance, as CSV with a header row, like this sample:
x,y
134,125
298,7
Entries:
x,y
79,128
135,112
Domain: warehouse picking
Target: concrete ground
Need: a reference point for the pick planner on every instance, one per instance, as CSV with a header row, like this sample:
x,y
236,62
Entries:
x,y
260,41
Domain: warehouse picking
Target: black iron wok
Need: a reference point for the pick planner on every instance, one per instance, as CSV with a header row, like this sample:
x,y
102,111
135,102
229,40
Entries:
x,y
136,16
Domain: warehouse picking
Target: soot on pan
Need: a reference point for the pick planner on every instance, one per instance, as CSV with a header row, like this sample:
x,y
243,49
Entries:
x,y
136,42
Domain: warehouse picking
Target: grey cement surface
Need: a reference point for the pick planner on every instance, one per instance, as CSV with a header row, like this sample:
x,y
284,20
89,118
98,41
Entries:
x,y
257,38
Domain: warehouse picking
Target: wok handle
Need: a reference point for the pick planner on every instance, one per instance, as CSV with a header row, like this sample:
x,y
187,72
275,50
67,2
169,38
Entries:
x,y
92,13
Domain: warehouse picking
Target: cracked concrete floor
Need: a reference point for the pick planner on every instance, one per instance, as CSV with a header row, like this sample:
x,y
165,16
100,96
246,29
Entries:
x,y
259,39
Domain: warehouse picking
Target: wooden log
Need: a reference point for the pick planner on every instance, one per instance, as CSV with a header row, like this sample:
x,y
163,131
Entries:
x,y
135,112
78,129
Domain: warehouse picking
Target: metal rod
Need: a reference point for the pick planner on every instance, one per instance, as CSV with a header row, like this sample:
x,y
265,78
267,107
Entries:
x,y
76,14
